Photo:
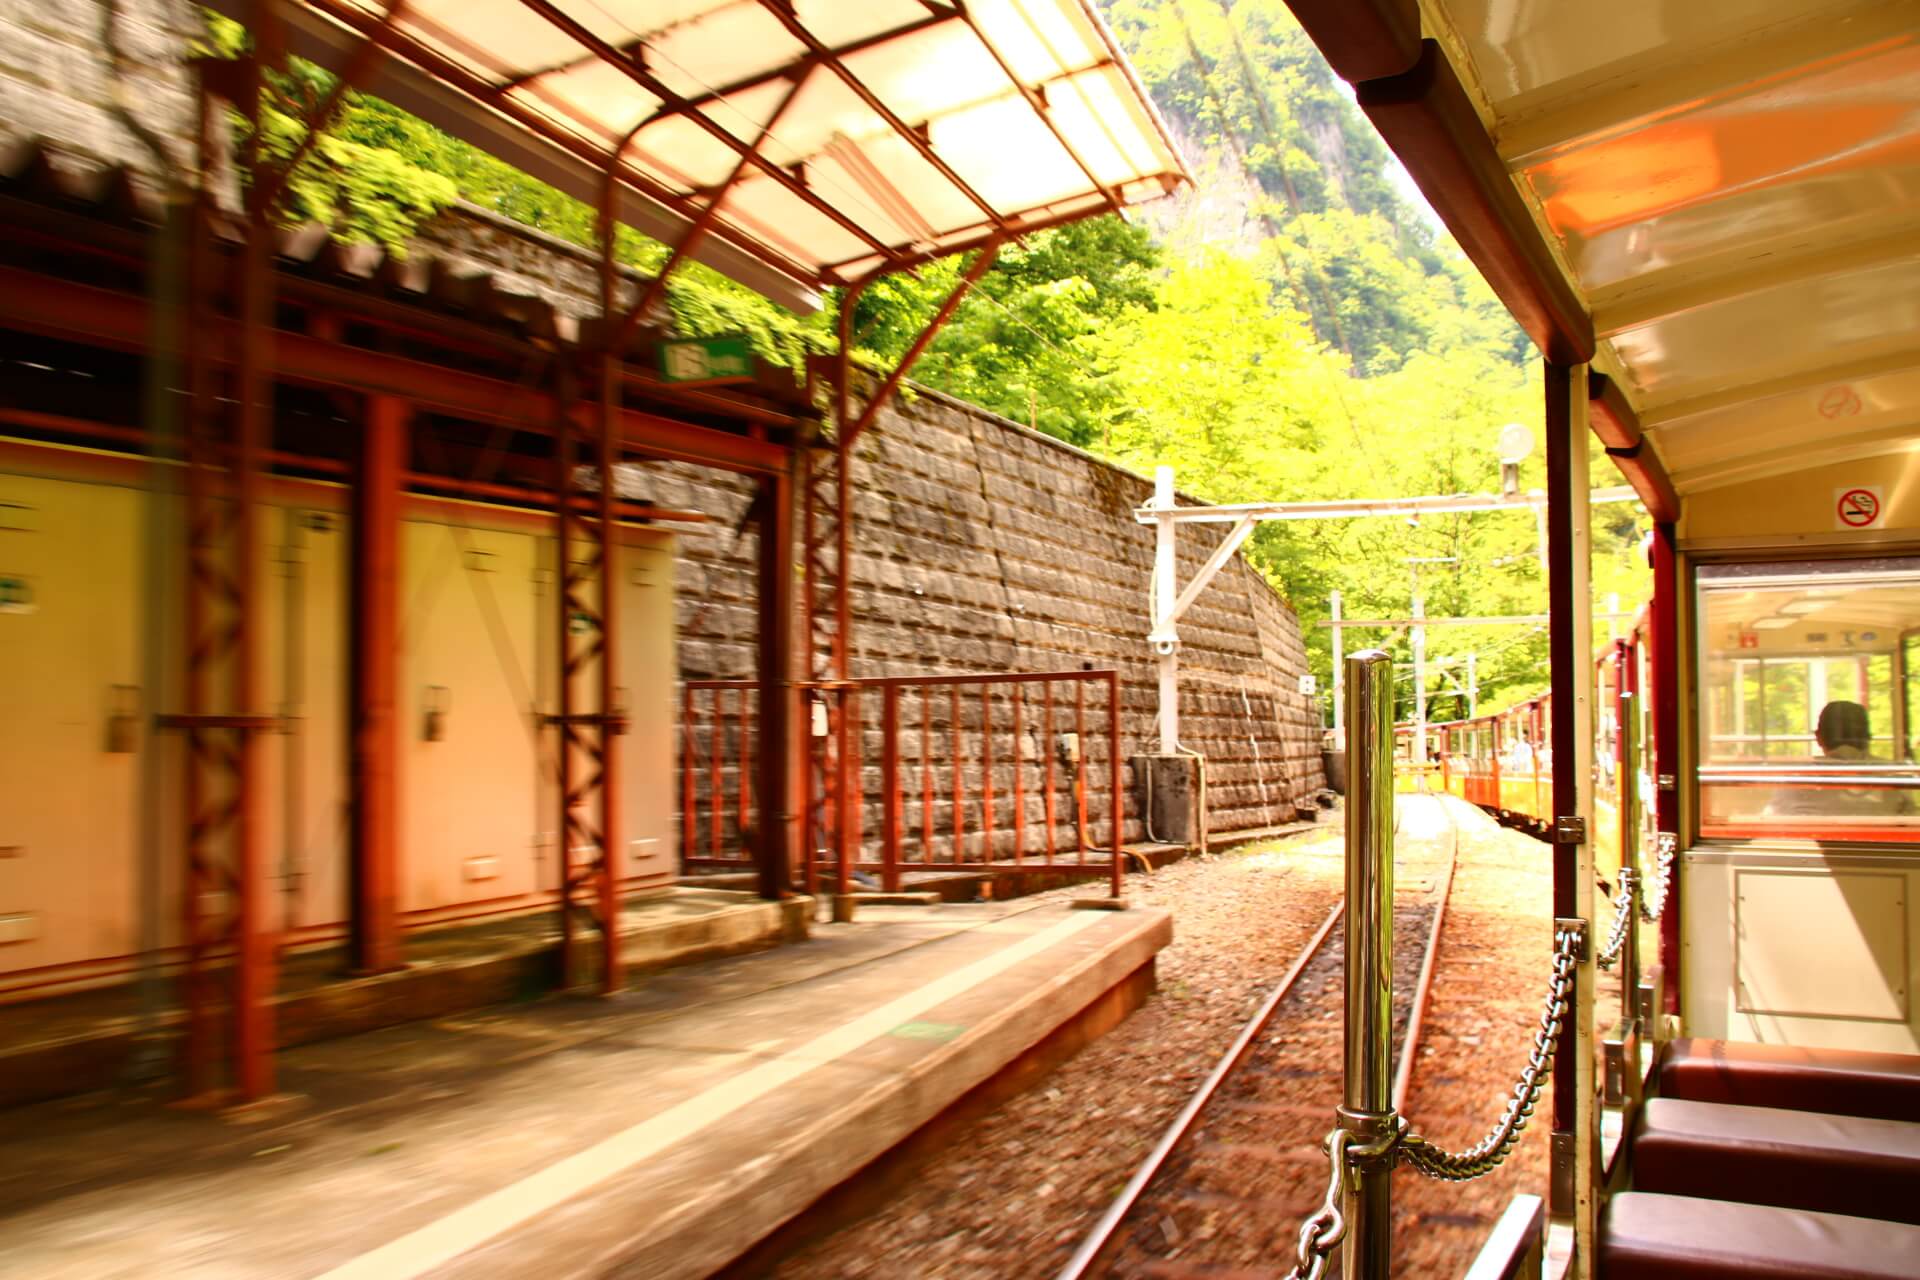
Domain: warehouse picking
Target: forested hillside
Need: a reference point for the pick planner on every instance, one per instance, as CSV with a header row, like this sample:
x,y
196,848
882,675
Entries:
x,y
1291,327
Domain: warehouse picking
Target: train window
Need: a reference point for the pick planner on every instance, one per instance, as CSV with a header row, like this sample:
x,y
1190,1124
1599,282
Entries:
x,y
1808,684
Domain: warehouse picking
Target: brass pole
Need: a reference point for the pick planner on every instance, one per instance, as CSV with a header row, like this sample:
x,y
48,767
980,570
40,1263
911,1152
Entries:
x,y
1367,1108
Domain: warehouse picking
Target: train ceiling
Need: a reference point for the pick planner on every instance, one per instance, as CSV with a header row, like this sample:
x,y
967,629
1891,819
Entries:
x,y
1718,201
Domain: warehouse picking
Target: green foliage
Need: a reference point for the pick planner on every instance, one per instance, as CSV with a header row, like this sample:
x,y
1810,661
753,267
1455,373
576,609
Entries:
x,y
1374,279
1024,344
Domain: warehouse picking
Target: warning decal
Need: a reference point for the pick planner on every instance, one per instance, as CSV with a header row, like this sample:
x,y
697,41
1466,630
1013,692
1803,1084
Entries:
x,y
1858,507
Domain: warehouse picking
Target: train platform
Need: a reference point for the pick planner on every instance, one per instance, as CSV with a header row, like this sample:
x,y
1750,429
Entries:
x,y
659,1133
77,1041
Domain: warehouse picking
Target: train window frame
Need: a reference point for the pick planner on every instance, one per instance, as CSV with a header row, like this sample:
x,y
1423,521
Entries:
x,y
1862,815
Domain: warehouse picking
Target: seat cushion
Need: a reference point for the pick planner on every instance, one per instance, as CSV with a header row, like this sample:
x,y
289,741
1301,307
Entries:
x,y
1644,1236
1768,1155
1885,1086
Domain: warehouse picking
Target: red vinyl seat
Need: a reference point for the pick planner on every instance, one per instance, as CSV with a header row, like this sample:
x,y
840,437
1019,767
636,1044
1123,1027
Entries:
x,y
1866,1167
1646,1236
1885,1086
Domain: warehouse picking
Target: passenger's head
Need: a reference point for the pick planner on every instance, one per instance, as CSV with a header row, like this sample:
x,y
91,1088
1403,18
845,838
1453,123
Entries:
x,y
1842,724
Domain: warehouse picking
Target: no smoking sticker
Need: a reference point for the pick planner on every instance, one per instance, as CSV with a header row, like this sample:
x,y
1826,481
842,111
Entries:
x,y
1859,506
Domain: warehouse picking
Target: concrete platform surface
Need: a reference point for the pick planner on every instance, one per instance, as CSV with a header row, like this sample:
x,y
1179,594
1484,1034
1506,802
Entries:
x,y
60,1045
658,1133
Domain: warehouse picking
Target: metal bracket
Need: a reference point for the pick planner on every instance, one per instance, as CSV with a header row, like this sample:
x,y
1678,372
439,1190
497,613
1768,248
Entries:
x,y
1620,1063
1578,928
1560,1179
1667,782
1570,829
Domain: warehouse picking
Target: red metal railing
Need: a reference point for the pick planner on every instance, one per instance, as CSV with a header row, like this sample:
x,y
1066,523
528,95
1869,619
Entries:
x,y
718,729
1007,776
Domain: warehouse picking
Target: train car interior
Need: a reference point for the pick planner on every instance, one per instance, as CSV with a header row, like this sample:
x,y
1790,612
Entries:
x,y
1704,216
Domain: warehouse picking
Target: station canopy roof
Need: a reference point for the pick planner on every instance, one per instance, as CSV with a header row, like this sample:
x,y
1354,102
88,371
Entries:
x,y
843,136
1717,200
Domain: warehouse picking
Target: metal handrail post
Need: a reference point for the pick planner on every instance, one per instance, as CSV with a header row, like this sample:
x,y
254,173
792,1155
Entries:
x,y
1628,773
1367,1109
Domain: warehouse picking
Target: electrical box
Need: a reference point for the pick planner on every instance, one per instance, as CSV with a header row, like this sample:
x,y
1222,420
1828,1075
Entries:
x,y
1163,789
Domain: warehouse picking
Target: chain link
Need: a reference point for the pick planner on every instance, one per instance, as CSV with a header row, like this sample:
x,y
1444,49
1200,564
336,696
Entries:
x,y
1328,1226
1491,1151
1623,902
1654,900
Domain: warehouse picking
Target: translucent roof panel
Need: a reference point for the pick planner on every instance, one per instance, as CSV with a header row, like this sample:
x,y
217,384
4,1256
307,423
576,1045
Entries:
x,y
1732,190
847,137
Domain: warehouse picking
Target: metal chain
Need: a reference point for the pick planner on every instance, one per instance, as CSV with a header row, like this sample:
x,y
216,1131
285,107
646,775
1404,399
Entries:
x,y
1623,902
1654,900
1491,1151
1328,1226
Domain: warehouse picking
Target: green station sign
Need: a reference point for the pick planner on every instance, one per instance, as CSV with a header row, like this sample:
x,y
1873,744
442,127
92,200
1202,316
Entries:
x,y
706,360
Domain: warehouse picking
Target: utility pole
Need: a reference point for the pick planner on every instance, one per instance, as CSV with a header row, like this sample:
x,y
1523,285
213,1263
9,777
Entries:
x,y
1419,680
1339,669
1166,589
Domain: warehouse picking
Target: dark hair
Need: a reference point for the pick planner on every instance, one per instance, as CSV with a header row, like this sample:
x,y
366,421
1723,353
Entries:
x,y
1842,724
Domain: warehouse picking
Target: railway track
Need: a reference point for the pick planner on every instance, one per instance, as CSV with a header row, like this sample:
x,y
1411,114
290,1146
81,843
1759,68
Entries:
x,y
1223,1193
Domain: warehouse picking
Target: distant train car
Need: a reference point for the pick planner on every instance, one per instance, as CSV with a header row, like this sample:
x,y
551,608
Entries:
x,y
1503,761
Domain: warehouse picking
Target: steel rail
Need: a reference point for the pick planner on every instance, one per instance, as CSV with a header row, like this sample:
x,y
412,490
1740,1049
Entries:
x,y
1417,1015
1102,1237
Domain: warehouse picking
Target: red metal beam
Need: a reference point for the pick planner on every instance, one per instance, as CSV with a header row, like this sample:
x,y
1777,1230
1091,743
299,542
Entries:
x,y
1642,468
447,116
587,39
272,181
694,102
374,899
988,235
849,434
1618,427
656,288
1038,105
1427,118
1613,419
39,304
1363,39
799,31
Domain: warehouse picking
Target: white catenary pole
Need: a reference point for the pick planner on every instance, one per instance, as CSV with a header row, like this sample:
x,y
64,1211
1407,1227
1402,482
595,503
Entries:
x,y
1339,671
1166,590
1473,688
1419,683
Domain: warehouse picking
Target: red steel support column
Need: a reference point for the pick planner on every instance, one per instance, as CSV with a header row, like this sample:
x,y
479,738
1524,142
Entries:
x,y
258,952
1663,627
1113,777
890,786
781,761
1575,1148
1563,665
223,897
374,928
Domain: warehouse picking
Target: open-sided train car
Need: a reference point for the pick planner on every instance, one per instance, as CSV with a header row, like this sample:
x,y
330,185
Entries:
x,y
1704,216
